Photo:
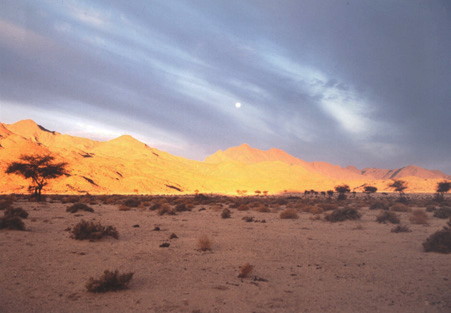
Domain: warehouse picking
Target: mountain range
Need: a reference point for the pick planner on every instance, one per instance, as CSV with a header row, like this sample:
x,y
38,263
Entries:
x,y
125,165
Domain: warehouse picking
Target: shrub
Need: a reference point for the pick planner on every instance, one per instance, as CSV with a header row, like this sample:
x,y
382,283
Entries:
x,y
12,222
389,217
400,207
439,241
182,207
343,215
401,229
5,204
289,214
313,209
226,213
430,208
328,206
166,209
16,212
132,202
378,206
79,207
444,212
262,209
204,243
243,207
245,270
109,281
419,217
248,219
155,206
93,231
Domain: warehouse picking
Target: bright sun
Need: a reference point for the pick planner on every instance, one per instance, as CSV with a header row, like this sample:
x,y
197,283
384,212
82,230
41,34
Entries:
x,y
237,105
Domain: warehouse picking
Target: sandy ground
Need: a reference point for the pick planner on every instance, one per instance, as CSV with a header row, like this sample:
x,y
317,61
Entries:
x,y
310,266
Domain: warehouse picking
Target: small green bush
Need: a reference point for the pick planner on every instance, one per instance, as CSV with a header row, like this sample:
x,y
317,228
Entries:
x,y
109,281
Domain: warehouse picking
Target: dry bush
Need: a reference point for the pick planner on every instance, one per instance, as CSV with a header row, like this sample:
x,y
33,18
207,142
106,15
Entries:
x,y
243,207
440,241
401,229
204,243
248,219
263,209
245,270
183,207
313,209
388,217
328,206
419,217
430,208
379,206
400,207
444,212
12,222
79,207
70,199
109,281
92,231
166,209
289,214
343,214
132,202
155,206
16,212
226,213
5,204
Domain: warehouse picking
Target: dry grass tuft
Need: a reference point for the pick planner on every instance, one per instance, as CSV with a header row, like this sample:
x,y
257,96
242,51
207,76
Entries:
x,y
444,212
378,206
79,207
245,270
289,214
204,243
93,231
226,213
166,209
419,217
401,229
388,217
109,281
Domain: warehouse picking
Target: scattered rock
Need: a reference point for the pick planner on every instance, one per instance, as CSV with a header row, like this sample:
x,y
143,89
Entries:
x,y
165,245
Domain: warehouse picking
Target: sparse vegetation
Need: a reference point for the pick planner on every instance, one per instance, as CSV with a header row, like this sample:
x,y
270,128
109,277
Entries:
x,y
378,206
16,212
343,214
12,222
440,241
342,191
399,207
226,213
443,212
93,231
401,229
109,281
204,243
289,214
442,188
79,207
245,270
388,217
132,202
419,217
399,186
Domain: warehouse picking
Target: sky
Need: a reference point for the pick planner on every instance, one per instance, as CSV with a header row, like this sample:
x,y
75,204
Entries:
x,y
364,83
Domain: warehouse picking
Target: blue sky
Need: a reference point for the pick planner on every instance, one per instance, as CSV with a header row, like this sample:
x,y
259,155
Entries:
x,y
348,82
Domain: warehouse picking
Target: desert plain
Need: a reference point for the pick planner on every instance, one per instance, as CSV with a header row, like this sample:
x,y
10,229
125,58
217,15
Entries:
x,y
303,264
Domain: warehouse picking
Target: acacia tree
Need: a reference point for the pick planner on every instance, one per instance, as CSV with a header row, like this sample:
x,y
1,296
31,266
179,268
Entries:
x,y
442,188
399,186
342,190
369,190
38,168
